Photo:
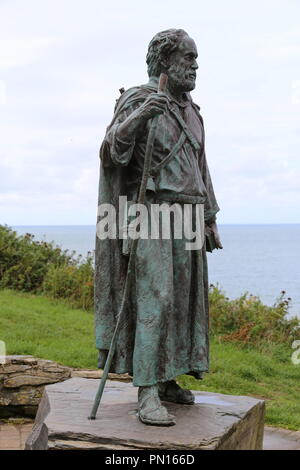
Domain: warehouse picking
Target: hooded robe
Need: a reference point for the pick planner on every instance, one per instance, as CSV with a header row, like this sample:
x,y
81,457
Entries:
x,y
166,329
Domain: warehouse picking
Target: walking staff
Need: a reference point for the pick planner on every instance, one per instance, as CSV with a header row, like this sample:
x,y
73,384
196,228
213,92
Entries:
x,y
141,199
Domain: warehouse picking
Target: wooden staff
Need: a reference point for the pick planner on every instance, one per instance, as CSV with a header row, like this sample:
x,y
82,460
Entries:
x,y
163,79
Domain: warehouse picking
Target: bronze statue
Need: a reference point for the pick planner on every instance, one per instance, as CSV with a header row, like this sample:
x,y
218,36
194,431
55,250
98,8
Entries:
x,y
164,332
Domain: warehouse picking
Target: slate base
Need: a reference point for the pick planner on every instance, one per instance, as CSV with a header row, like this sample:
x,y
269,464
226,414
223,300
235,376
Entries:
x,y
216,421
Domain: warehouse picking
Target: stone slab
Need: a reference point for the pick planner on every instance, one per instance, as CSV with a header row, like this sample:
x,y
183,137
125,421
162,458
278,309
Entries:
x,y
274,439
281,439
216,421
97,374
22,381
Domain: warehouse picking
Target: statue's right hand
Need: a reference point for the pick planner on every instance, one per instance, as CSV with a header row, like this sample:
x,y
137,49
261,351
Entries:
x,y
155,104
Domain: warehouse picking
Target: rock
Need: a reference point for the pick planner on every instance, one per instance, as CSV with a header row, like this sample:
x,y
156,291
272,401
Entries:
x,y
97,374
281,439
216,421
19,380
14,368
22,381
29,360
20,396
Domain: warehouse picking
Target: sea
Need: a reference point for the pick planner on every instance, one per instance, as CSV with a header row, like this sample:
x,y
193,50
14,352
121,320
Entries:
x,y
262,260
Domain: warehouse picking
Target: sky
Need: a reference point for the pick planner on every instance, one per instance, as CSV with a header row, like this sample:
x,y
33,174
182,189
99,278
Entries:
x,y
62,63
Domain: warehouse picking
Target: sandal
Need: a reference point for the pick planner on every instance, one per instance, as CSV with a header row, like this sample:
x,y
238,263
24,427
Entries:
x,y
170,391
151,410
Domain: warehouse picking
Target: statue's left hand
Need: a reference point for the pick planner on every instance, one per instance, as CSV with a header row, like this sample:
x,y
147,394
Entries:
x,y
215,231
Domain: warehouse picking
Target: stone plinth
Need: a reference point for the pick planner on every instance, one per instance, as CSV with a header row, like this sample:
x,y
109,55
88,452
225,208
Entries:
x,y
22,381
215,422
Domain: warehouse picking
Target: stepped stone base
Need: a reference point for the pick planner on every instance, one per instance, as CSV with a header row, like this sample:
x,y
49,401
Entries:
x,y
215,422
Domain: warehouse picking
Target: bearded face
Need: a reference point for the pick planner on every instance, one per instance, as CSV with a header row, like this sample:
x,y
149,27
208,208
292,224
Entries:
x,y
182,67
182,78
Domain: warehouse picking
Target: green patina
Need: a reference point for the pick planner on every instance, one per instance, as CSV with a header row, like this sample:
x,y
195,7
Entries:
x,y
166,329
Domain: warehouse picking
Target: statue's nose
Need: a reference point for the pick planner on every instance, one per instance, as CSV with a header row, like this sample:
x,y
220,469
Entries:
x,y
195,65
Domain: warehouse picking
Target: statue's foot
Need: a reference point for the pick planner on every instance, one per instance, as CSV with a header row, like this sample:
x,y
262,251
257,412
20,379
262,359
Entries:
x,y
151,411
170,391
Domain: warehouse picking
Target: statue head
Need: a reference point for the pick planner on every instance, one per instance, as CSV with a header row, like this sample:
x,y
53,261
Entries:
x,y
173,52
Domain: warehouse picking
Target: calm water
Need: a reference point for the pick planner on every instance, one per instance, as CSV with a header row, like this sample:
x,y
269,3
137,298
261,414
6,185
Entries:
x,y
260,259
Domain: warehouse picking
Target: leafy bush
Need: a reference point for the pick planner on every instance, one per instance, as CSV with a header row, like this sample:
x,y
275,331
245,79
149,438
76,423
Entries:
x,y
24,262
41,267
247,320
72,282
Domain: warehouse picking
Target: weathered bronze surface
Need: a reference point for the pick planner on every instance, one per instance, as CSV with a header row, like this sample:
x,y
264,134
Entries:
x,y
166,329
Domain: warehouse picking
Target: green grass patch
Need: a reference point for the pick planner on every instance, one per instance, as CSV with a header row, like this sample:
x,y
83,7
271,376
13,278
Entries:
x,y
45,328
239,370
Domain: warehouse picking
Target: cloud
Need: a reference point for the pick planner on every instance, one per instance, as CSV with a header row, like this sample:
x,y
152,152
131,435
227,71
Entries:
x,y
284,46
20,52
62,64
3,94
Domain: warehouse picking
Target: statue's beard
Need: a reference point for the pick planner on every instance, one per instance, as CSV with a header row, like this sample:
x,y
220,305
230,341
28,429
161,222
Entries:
x,y
181,79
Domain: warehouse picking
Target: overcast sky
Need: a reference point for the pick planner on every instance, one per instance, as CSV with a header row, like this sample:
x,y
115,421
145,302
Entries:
x,y
63,61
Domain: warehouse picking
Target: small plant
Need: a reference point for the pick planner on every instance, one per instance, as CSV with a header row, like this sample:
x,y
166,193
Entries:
x,y
40,267
72,282
247,320
24,261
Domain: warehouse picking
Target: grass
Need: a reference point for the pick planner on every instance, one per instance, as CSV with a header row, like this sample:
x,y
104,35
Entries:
x,y
45,328
237,370
50,329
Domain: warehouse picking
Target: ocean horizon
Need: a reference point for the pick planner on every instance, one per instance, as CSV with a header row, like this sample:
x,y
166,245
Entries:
x,y
261,259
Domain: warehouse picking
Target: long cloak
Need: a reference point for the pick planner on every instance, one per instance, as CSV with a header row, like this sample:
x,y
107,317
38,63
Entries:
x,y
166,328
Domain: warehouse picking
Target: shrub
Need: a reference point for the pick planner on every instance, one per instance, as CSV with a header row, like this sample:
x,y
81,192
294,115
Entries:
x,y
41,267
72,282
247,320
24,261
